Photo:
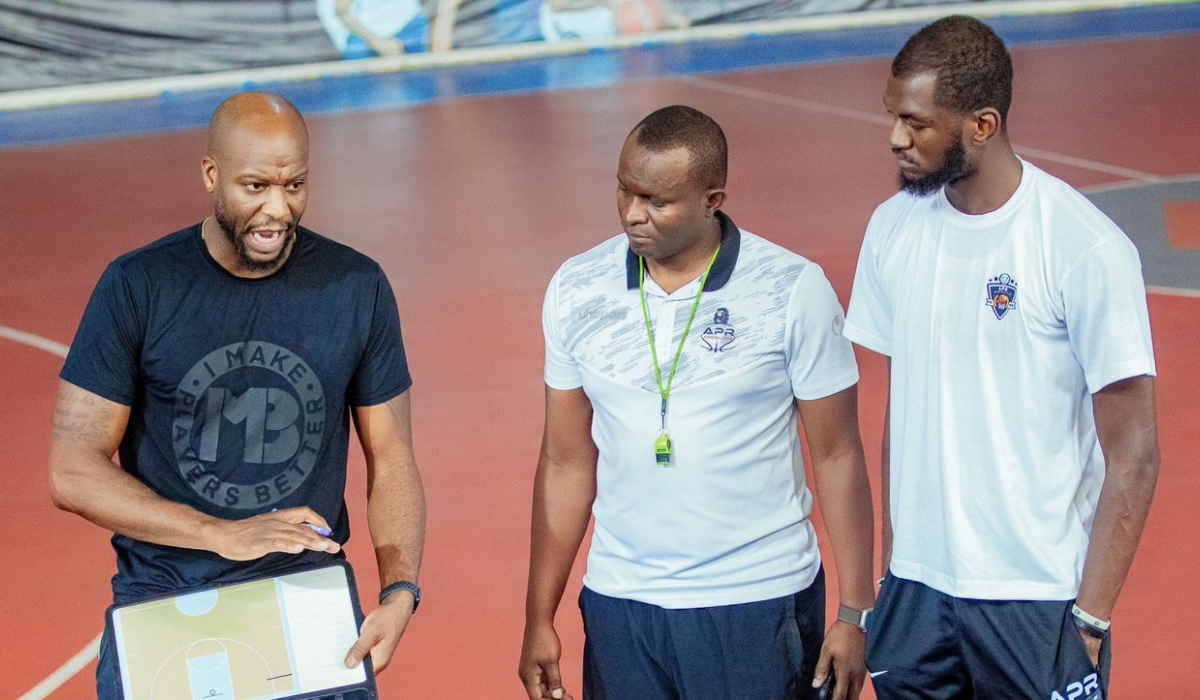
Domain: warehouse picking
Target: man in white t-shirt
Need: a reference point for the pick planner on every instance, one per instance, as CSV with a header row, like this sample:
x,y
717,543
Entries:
x,y
681,358
1021,449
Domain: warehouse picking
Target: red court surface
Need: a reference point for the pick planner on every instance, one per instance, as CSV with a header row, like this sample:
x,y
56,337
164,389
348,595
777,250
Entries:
x,y
470,206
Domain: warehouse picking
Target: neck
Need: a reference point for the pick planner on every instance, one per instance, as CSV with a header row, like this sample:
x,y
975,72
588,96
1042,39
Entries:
x,y
989,187
681,269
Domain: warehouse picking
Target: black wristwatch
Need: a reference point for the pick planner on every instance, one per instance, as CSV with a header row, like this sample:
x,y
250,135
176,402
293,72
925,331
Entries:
x,y
402,586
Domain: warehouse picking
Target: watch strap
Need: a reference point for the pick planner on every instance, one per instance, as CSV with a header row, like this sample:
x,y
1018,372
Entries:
x,y
398,586
853,616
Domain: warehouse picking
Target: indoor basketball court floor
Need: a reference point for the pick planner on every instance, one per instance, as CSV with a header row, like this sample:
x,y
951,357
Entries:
x,y
470,185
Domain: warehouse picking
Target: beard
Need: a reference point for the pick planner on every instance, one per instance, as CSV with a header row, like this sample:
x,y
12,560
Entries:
x,y
238,240
954,167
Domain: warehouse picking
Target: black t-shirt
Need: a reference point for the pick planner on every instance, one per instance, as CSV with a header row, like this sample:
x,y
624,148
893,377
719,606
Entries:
x,y
240,388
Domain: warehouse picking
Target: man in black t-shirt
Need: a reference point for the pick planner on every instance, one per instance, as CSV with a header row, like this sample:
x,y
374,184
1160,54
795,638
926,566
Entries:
x,y
222,363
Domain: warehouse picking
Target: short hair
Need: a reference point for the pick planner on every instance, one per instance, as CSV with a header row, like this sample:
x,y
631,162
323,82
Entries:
x,y
680,126
974,69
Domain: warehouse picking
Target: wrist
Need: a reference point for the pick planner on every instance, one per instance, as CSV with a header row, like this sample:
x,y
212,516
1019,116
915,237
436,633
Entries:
x,y
391,591
854,616
1089,624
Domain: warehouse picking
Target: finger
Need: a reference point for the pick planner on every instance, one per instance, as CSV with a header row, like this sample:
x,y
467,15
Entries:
x,y
856,686
553,679
532,681
361,648
824,664
298,515
381,657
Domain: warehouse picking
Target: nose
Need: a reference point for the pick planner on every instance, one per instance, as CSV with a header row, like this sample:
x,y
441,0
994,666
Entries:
x,y
632,209
899,137
275,204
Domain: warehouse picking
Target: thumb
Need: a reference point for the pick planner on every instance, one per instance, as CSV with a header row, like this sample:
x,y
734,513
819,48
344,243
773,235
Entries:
x,y
359,651
824,666
554,680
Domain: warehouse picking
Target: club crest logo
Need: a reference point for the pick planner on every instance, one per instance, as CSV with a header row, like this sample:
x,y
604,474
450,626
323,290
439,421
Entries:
x,y
718,336
1001,295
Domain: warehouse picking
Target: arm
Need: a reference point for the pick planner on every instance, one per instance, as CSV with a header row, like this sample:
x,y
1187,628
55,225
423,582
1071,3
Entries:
x,y
1128,433
563,491
844,492
86,481
444,19
382,45
396,518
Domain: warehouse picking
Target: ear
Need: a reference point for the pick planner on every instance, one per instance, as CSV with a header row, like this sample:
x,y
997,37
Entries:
x,y
208,171
984,125
713,199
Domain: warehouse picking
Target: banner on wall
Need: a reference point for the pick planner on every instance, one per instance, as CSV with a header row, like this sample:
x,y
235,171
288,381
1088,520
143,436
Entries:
x,y
45,43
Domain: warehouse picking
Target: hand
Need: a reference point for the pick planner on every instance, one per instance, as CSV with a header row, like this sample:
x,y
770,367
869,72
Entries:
x,y
1093,647
844,653
284,531
539,672
381,632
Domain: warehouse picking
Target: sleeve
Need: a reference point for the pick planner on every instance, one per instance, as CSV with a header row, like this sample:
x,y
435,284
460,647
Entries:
x,y
1104,302
820,360
561,372
382,372
869,319
106,354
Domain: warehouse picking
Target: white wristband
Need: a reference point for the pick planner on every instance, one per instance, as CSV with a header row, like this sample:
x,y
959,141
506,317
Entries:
x,y
1090,619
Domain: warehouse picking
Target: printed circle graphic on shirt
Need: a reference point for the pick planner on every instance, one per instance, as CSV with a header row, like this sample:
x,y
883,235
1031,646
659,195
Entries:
x,y
249,422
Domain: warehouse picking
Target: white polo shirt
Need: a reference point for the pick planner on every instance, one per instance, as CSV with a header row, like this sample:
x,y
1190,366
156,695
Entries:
x,y
1000,327
727,521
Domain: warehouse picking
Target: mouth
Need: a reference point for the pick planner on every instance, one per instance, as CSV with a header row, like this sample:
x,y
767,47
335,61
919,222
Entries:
x,y
266,241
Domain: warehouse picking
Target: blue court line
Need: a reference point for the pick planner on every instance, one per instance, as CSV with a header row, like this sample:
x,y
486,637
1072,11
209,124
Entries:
x,y
597,68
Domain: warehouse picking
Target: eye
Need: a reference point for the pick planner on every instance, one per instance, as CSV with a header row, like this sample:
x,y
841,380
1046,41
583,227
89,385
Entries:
x,y
255,186
296,186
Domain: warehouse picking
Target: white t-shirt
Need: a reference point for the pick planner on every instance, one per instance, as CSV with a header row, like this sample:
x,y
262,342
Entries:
x,y
727,522
999,328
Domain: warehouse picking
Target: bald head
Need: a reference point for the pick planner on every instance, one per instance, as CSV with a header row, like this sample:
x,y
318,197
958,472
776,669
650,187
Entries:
x,y
257,170
254,115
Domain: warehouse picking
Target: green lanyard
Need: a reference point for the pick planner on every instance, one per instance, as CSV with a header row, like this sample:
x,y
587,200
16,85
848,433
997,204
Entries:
x,y
662,444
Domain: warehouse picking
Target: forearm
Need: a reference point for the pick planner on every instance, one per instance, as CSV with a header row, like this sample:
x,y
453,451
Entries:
x,y
396,517
1120,517
1128,434
93,487
845,496
562,505
86,481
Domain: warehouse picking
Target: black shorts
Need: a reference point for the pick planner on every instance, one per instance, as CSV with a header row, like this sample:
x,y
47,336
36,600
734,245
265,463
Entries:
x,y
924,644
766,650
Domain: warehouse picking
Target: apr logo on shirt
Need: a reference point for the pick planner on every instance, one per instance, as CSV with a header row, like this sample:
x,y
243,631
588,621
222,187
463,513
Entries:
x,y
1001,295
718,336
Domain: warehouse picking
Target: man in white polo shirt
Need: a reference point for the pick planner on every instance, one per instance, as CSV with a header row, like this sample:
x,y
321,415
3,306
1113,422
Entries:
x,y
1023,448
681,356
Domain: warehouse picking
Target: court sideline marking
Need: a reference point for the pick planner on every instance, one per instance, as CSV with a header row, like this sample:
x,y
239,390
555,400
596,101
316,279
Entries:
x,y
84,656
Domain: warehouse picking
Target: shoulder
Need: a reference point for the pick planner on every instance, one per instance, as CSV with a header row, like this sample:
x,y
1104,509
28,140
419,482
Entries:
x,y
768,262
158,262
313,247
163,250
1073,221
597,265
